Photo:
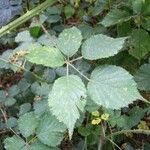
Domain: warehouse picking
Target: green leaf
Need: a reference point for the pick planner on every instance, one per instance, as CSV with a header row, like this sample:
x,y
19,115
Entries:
x,y
140,40
11,122
2,96
46,56
53,10
35,31
101,46
49,75
69,41
134,117
24,108
27,124
14,143
86,30
23,85
116,119
64,103
69,11
24,36
137,6
124,29
40,107
43,89
85,131
116,16
13,91
146,23
9,101
90,105
142,77
39,146
5,57
50,130
112,87
100,5
53,18
146,8
47,40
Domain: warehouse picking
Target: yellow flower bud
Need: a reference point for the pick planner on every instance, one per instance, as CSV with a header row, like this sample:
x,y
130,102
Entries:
x,y
143,125
105,116
95,113
96,121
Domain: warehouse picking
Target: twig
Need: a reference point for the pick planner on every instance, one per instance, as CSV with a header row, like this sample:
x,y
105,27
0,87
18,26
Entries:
x,y
111,133
67,66
113,143
71,61
3,132
79,72
45,31
22,68
130,131
146,101
5,119
102,137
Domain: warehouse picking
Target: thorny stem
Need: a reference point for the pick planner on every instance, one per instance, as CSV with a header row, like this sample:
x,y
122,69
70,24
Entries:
x,y
22,68
30,14
68,62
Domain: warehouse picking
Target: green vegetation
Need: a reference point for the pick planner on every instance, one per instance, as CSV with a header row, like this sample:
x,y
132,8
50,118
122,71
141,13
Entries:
x,y
76,75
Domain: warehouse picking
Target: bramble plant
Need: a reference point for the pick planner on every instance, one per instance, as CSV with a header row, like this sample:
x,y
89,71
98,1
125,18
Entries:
x,y
78,83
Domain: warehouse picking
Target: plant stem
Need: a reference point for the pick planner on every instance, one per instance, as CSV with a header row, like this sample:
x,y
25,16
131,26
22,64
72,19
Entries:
x,y
146,101
110,133
113,143
79,72
130,131
22,68
5,119
30,14
76,59
102,137
67,67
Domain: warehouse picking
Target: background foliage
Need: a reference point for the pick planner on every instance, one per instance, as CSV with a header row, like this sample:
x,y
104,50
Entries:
x,y
69,77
